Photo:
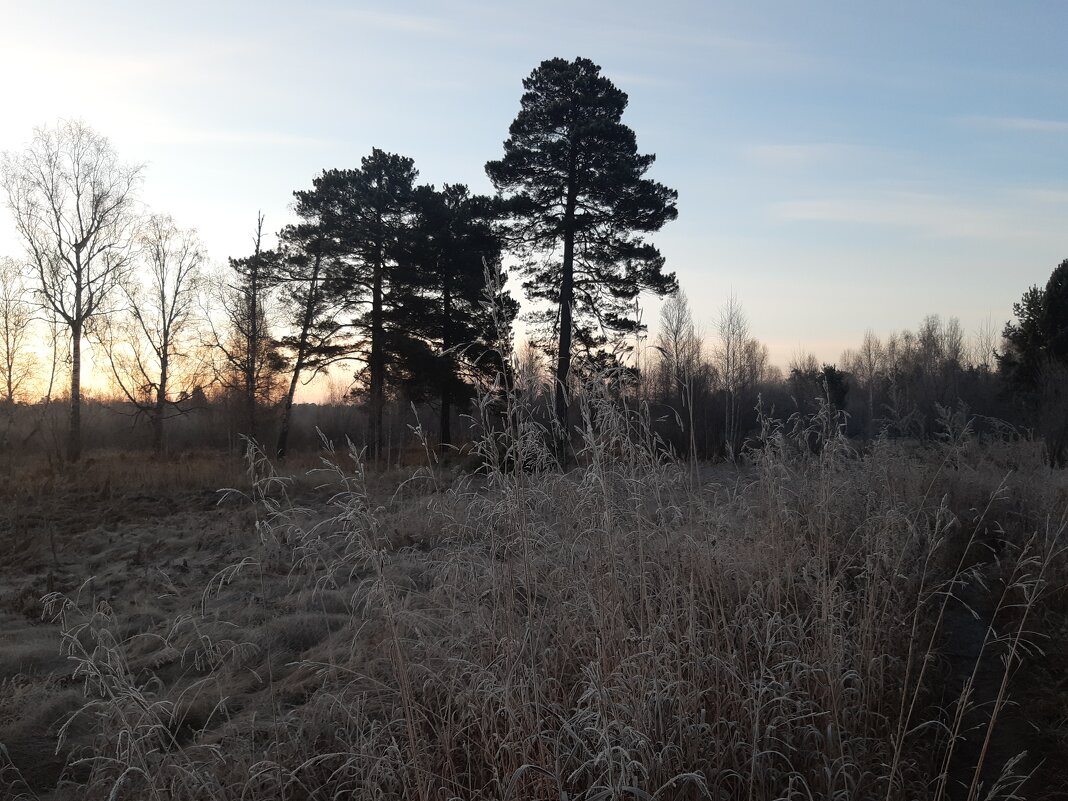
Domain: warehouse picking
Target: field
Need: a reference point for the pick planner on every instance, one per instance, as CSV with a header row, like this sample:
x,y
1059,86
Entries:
x,y
822,619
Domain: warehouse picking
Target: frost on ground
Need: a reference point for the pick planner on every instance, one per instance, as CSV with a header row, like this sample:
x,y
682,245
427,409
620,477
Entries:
x,y
819,621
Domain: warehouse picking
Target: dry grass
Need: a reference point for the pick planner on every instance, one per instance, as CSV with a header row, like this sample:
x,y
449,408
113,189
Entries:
x,y
814,623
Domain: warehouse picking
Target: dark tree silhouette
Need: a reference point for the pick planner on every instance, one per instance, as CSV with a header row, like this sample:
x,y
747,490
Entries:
x,y
827,382
251,361
1034,359
456,254
368,212
312,291
1055,312
1039,333
1024,341
572,176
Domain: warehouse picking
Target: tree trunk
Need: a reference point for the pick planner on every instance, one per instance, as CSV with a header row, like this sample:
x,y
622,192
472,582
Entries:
x,y
298,365
730,415
161,407
74,434
251,357
9,363
377,362
445,433
567,299
287,410
9,390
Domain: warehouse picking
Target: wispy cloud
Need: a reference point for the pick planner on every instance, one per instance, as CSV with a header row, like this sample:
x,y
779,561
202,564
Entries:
x,y
933,214
1018,124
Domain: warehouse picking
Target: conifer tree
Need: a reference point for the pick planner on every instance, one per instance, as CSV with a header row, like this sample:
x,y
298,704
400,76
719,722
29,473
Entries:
x,y
456,256
1039,334
309,271
579,207
367,213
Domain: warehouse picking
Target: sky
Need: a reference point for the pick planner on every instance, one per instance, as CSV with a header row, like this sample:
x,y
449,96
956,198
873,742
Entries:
x,y
840,166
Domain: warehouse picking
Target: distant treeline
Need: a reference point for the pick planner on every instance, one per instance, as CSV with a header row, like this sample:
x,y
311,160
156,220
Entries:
x,y
402,286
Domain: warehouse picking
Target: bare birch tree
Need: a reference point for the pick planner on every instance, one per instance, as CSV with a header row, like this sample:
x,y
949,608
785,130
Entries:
x,y
74,207
984,345
682,367
248,359
678,339
867,364
730,354
17,363
152,347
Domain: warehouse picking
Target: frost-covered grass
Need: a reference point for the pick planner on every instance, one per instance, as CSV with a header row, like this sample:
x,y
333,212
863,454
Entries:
x,y
820,621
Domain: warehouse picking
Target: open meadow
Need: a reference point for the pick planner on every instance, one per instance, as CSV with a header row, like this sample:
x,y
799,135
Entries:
x,y
823,619
585,401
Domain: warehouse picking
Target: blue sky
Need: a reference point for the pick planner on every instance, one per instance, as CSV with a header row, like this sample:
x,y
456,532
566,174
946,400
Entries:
x,y
840,166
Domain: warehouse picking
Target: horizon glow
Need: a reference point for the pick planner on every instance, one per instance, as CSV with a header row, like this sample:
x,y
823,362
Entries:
x,y
839,168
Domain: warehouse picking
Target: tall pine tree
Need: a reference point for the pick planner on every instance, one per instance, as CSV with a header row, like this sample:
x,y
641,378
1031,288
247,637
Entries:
x,y
367,213
579,206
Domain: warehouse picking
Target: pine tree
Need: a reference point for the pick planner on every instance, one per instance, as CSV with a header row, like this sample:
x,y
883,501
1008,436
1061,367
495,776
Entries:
x,y
1039,333
367,213
1055,312
309,273
456,257
1024,341
579,206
